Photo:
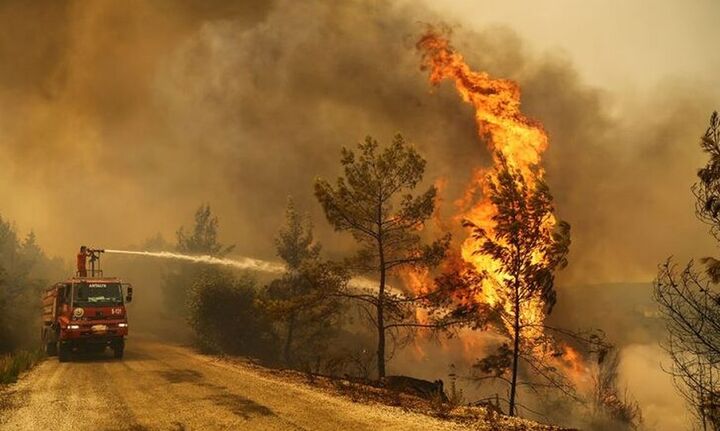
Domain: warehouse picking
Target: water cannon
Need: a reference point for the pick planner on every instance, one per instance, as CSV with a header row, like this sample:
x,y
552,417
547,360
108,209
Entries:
x,y
93,255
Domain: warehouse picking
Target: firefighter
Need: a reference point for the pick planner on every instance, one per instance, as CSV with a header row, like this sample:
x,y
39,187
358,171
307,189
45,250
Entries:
x,y
82,262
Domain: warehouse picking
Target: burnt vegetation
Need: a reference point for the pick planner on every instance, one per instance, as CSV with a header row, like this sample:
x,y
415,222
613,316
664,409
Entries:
x,y
689,301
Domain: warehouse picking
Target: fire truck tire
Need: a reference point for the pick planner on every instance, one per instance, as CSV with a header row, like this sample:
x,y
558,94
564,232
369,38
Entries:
x,y
51,349
63,352
118,349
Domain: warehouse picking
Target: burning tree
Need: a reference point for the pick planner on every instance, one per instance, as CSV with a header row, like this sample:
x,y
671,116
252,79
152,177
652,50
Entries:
x,y
689,301
373,201
524,248
516,242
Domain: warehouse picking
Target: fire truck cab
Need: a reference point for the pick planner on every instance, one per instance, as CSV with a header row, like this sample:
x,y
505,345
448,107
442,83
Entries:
x,y
85,313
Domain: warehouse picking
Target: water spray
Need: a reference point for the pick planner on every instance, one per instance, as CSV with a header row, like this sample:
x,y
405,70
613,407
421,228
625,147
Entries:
x,y
247,263
241,263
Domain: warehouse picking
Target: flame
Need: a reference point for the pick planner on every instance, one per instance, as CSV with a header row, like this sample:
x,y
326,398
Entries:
x,y
496,101
575,367
521,142
420,281
573,360
506,132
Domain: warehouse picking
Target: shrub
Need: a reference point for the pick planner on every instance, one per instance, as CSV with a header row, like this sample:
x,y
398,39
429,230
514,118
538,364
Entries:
x,y
225,316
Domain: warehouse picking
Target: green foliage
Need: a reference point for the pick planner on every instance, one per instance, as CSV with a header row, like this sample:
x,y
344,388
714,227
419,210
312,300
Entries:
x,y
225,316
304,302
203,240
706,191
294,242
203,237
495,364
373,201
24,271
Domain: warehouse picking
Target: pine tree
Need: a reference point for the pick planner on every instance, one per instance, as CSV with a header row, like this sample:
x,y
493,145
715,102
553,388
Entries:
x,y
304,300
527,247
374,202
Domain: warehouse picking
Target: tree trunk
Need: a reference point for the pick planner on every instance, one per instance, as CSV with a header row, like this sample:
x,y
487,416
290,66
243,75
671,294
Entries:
x,y
288,340
516,350
381,299
381,319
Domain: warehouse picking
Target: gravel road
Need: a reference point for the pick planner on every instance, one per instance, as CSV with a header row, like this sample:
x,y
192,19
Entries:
x,y
161,386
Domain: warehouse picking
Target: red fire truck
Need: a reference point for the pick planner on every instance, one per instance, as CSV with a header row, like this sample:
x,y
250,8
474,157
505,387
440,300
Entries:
x,y
86,312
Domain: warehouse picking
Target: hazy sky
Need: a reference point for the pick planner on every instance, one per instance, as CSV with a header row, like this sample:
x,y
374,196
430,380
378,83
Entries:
x,y
619,45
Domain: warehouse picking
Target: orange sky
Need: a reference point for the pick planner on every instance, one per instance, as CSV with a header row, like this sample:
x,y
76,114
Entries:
x,y
619,45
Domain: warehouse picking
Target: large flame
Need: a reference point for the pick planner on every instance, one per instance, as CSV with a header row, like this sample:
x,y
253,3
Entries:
x,y
507,132
521,141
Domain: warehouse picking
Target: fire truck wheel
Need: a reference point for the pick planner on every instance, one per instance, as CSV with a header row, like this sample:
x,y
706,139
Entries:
x,y
118,349
51,349
63,352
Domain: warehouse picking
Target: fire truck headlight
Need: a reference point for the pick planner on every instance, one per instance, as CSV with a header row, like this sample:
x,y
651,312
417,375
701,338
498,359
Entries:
x,y
122,325
73,326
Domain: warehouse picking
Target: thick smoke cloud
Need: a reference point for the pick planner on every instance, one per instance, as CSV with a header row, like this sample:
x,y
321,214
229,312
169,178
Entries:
x,y
118,120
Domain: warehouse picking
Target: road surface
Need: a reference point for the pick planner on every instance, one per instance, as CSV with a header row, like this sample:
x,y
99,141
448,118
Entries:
x,y
161,386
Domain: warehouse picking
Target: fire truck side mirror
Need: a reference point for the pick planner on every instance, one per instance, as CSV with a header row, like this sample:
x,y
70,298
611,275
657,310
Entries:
x,y
128,297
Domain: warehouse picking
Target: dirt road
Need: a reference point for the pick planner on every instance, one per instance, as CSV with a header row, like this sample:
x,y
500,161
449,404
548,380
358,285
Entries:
x,y
167,387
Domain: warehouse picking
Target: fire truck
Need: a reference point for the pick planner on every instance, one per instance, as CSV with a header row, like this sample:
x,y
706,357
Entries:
x,y
86,312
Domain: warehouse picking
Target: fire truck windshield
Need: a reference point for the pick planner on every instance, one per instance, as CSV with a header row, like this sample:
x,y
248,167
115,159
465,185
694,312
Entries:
x,y
99,294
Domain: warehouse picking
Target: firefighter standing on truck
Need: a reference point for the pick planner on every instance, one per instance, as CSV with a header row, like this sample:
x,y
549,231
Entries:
x,y
82,262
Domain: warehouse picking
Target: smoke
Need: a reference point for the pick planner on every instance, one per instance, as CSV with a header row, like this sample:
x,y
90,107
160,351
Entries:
x,y
120,117
663,409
